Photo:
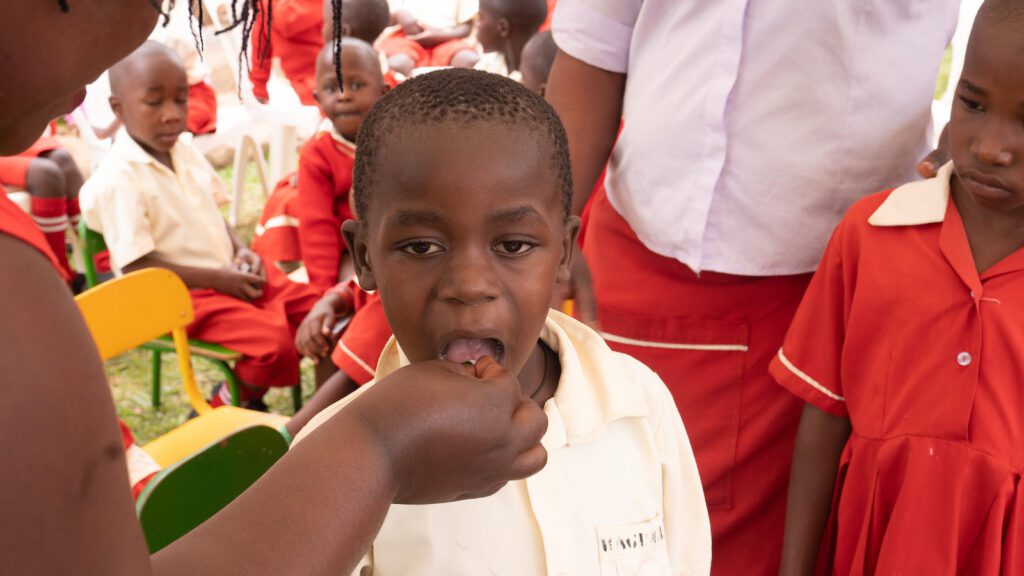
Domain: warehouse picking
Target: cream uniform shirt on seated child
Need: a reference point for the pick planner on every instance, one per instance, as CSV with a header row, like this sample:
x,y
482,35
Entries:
x,y
439,14
143,207
620,493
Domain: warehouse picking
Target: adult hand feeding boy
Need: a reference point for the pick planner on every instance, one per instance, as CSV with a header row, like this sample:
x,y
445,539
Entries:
x,y
399,419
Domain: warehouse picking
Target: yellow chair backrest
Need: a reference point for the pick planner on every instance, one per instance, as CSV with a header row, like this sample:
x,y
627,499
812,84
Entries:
x,y
131,310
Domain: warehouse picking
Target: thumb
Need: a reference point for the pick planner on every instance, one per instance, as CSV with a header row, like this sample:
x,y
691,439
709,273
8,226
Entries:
x,y
487,368
326,324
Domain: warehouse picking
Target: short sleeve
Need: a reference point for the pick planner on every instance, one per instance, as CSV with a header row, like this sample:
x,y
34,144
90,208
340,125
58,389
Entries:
x,y
120,214
362,342
598,32
809,364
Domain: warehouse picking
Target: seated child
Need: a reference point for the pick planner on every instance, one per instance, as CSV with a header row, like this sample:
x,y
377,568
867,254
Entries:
x,y
151,198
908,350
465,262
365,20
503,29
49,174
430,33
295,37
309,214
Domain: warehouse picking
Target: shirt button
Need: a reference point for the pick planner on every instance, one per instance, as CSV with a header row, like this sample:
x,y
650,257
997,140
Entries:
x,y
963,358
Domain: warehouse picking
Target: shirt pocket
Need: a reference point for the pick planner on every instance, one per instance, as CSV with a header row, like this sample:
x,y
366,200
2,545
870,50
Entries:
x,y
702,363
633,549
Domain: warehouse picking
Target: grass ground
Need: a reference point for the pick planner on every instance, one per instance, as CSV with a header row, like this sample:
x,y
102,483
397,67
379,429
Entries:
x,y
129,374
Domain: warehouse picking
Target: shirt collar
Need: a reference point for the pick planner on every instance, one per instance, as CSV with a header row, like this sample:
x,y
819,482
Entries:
x,y
593,390
916,203
130,150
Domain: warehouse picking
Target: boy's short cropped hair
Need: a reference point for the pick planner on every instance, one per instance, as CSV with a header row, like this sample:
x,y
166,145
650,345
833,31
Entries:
x,y
463,96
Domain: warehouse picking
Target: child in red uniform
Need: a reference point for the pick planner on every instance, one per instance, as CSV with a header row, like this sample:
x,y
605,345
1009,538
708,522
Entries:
x,y
295,38
430,33
907,350
151,198
366,20
503,28
49,173
319,205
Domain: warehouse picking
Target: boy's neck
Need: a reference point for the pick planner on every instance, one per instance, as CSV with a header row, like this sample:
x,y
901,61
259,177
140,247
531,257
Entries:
x,y
513,51
161,157
992,235
540,375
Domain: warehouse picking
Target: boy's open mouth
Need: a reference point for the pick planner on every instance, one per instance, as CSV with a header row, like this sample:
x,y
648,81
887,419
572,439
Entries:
x,y
462,350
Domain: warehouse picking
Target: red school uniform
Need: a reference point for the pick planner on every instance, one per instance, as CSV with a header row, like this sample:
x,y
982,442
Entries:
x,y
361,344
296,37
202,109
325,181
440,55
276,238
710,338
900,334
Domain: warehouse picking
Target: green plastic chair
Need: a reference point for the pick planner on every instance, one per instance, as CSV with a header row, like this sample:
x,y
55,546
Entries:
x,y
189,492
219,356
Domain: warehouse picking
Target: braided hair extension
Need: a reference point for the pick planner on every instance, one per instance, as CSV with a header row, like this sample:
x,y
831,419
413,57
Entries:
x,y
245,17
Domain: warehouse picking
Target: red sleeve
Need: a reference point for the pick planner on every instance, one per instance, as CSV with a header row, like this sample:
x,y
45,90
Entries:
x,y
259,61
14,222
360,345
297,16
810,361
323,177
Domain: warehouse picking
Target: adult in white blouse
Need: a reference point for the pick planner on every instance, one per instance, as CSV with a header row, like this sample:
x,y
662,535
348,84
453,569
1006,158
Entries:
x,y
749,126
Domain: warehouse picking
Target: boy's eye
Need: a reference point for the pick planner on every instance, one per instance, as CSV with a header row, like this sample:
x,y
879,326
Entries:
x,y
421,248
151,103
514,247
356,85
971,104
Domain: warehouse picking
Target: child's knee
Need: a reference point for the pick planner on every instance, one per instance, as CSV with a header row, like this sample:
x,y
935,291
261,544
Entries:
x,y
45,179
65,161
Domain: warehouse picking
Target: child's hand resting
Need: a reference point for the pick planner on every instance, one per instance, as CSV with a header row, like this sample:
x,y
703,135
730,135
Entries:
x,y
248,261
453,432
313,338
242,285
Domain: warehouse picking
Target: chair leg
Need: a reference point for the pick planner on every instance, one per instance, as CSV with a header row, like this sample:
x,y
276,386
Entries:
x,y
297,396
154,377
234,384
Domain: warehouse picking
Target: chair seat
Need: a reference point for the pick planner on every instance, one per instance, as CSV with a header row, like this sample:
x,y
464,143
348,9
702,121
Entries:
x,y
197,347
200,431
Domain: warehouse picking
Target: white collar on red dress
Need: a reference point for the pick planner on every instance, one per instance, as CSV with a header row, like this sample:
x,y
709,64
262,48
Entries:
x,y
916,203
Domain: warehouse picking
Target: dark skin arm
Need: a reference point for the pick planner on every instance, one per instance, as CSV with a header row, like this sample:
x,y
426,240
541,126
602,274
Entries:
x,y
432,37
435,433
335,388
819,443
242,285
589,102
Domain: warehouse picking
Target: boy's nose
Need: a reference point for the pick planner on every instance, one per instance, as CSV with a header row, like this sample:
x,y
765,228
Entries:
x,y
468,280
993,145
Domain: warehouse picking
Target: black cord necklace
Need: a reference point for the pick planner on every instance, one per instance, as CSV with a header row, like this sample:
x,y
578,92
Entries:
x,y
544,376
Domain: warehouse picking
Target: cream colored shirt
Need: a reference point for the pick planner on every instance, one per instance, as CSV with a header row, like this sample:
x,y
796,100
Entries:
x,y
495,63
440,14
620,493
142,207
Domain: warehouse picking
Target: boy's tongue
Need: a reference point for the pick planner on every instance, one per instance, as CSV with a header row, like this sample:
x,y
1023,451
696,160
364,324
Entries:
x,y
471,349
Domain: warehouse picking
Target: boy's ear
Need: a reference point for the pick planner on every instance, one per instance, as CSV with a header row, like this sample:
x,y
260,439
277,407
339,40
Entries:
x,y
115,106
504,28
571,233
356,240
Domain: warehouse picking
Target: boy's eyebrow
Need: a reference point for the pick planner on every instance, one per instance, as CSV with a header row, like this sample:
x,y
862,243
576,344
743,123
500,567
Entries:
x,y
414,217
516,214
972,88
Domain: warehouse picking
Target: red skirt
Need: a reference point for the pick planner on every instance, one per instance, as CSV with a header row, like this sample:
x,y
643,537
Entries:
x,y
710,338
